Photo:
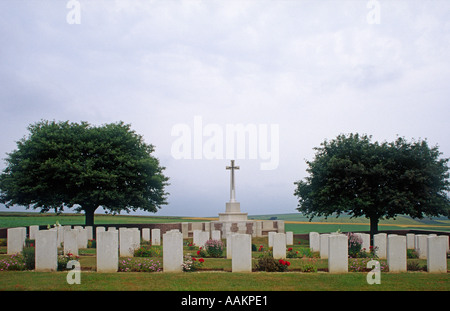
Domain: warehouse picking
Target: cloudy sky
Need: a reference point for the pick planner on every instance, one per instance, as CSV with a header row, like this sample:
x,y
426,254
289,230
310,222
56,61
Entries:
x,y
311,69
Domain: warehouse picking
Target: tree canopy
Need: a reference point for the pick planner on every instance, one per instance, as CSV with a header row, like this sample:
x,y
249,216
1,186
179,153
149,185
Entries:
x,y
353,175
63,164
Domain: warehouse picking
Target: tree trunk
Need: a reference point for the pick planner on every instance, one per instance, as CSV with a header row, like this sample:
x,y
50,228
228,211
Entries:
x,y
373,227
89,215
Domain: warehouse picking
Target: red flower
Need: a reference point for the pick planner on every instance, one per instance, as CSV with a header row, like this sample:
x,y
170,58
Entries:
x,y
298,242
281,261
198,252
193,259
289,249
201,260
288,263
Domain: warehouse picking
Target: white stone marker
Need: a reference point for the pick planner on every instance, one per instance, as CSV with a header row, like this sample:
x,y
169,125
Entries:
x,y
410,240
396,253
46,256
126,239
172,251
379,242
71,241
89,232
185,229
82,237
33,230
437,254
337,253
215,235
136,243
15,240
289,238
145,234
107,251
229,248
99,229
279,246
365,246
156,236
270,238
241,245
324,246
421,245
314,241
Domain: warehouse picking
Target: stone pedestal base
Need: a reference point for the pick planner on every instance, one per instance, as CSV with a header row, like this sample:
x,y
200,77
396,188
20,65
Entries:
x,y
233,213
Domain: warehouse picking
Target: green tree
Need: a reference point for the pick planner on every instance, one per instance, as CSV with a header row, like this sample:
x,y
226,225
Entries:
x,y
353,175
62,164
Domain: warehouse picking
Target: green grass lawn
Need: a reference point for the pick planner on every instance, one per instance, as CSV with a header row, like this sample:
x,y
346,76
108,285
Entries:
x,y
223,281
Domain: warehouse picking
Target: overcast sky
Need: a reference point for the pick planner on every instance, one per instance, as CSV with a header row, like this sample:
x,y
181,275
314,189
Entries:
x,y
311,69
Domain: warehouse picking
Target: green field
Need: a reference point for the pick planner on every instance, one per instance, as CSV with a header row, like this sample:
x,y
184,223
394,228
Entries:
x,y
294,222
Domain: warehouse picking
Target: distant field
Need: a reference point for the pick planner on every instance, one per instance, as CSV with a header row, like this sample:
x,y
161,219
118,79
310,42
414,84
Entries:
x,y
299,223
295,222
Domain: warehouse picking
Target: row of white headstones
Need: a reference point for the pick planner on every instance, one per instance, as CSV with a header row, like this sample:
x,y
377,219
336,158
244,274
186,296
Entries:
x,y
392,247
112,243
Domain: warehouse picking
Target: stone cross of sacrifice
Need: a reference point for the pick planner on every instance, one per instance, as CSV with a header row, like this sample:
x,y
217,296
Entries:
x,y
232,191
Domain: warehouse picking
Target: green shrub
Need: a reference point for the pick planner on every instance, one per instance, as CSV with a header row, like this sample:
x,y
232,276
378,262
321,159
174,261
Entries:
x,y
13,263
64,259
412,254
147,251
268,264
92,244
143,265
191,264
214,248
28,254
414,265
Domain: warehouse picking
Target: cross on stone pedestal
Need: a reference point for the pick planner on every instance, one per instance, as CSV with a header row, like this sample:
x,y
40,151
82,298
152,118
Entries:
x,y
232,190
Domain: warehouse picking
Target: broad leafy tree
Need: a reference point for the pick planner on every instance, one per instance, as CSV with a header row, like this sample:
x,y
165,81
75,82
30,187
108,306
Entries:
x,y
353,175
62,164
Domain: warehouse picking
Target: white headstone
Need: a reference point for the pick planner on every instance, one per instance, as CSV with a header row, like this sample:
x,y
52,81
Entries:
x,y
241,252
229,248
185,229
71,241
156,236
126,241
46,251
365,246
379,243
89,232
324,246
314,241
437,254
289,238
15,240
396,253
337,253
215,235
172,251
421,245
107,251
33,230
200,238
146,234
410,240
270,238
279,246
82,237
